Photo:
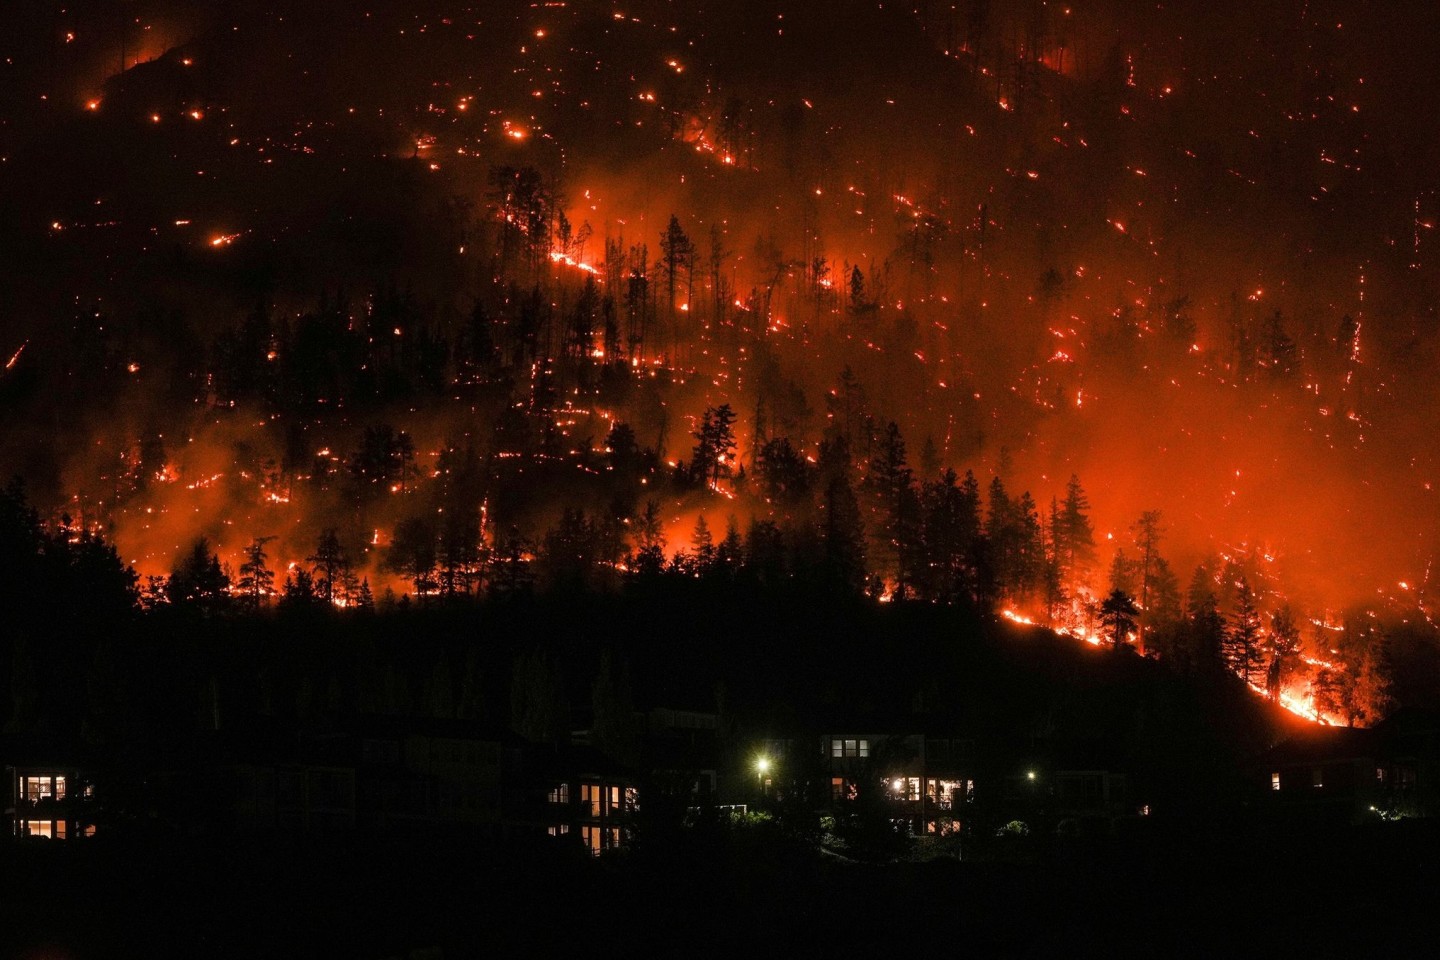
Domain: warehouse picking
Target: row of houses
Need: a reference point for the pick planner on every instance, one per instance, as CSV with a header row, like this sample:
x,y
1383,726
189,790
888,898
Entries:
x,y
391,774
399,774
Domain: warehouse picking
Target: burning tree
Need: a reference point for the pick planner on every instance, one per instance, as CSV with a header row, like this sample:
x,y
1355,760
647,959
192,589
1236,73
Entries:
x,y
1284,650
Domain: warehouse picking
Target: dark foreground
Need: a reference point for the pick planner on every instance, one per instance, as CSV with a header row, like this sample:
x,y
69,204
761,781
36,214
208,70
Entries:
x,y
1362,892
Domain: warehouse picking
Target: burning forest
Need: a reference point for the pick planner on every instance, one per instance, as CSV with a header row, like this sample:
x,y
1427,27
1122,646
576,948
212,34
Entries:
x,y
623,301
1090,325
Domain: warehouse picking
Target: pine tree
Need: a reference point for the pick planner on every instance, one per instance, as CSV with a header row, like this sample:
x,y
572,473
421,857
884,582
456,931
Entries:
x,y
702,547
1284,648
460,550
567,556
649,543
714,455
513,574
1243,639
1122,573
1205,627
1117,614
412,553
1053,578
364,599
1147,533
199,581
298,593
330,565
257,580
1077,536
730,554
1161,621
889,483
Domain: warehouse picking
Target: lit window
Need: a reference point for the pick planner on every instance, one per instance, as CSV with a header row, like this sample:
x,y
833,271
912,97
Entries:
x,y
560,794
559,830
864,748
38,828
837,748
40,788
1275,781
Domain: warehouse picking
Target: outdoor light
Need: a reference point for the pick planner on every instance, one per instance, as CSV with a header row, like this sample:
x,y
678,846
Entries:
x,y
762,765
1030,775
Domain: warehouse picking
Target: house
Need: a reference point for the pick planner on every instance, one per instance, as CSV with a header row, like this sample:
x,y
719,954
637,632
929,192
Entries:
x,y
927,779
49,789
590,798
1336,774
49,800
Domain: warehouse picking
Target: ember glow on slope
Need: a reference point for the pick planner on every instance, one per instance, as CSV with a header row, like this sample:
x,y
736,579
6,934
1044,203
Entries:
x,y
1069,266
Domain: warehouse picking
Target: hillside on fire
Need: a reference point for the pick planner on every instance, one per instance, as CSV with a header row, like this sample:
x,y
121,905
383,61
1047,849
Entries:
x,y
872,433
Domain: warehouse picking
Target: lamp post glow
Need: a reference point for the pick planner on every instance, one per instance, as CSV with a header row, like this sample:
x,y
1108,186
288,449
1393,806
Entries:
x,y
762,767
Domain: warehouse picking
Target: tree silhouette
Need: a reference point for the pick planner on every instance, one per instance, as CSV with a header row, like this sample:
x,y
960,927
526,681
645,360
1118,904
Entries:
x,y
412,553
1243,640
714,454
1076,541
330,564
198,581
1148,533
257,580
1118,614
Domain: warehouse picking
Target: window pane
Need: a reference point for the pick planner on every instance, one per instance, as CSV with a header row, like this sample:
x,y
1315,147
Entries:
x,y
864,748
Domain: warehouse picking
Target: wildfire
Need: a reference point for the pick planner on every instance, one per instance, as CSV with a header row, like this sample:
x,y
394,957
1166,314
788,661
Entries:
x,y
557,256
